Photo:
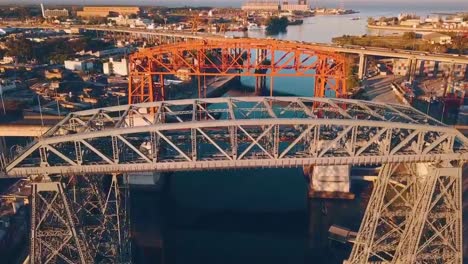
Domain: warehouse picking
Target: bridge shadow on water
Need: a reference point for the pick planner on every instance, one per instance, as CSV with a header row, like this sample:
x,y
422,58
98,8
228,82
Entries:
x,y
243,216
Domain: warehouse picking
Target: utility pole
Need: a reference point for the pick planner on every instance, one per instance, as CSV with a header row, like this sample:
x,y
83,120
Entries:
x,y
40,110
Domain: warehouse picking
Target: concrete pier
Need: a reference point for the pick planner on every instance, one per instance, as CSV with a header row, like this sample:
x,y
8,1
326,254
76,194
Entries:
x,y
362,66
3,153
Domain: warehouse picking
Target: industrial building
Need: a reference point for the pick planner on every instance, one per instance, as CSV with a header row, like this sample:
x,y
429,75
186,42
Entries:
x,y
54,13
301,5
269,5
104,11
116,67
79,65
261,5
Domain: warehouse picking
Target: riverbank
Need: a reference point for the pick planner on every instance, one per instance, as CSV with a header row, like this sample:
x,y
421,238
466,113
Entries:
x,y
391,42
402,28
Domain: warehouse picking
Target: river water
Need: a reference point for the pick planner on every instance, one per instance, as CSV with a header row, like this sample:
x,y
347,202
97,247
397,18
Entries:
x,y
259,215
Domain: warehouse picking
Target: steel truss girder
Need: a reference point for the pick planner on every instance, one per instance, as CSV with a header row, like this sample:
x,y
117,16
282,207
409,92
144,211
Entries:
x,y
243,57
239,132
413,216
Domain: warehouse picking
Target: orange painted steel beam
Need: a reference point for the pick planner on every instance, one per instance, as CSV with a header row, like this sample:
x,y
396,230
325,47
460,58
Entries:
x,y
235,57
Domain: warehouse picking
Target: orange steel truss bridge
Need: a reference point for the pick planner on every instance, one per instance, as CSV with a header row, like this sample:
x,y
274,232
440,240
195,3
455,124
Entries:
x,y
413,215
259,58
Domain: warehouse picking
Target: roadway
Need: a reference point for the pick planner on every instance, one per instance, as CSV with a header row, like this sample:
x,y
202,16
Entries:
x,y
348,49
23,130
379,89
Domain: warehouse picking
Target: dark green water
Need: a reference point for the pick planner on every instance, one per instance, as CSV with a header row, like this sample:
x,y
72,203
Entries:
x,y
242,216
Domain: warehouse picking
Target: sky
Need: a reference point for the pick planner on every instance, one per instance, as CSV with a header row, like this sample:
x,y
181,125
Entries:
x,y
463,4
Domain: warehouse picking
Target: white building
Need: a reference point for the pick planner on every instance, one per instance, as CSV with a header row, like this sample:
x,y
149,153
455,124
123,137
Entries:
x,y
79,65
130,22
432,19
116,67
411,22
53,13
437,38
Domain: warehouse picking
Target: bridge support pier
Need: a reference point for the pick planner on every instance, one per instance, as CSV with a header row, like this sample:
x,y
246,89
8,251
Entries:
x,y
54,233
362,66
3,147
413,216
412,66
80,220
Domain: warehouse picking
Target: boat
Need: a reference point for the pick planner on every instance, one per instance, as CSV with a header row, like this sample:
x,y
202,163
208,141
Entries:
x,y
295,22
253,27
169,82
356,18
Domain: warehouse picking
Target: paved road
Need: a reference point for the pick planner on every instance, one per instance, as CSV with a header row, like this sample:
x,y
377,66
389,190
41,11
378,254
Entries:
x,y
379,90
353,49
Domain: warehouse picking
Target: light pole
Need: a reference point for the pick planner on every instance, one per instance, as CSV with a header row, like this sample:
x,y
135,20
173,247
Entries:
x,y
429,103
443,111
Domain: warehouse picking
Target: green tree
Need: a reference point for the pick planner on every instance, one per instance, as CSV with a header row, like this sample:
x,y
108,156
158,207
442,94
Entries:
x,y
276,25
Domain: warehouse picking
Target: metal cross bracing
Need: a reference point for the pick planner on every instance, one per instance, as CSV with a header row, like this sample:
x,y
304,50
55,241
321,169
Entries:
x,y
413,216
259,58
238,133
54,234
75,219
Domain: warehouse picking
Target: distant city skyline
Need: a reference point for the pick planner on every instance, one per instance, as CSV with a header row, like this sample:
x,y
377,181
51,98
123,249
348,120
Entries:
x,y
463,4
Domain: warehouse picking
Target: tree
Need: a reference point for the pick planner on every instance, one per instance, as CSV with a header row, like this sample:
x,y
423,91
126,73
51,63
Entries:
x,y
158,20
460,43
276,25
20,48
23,13
409,35
97,20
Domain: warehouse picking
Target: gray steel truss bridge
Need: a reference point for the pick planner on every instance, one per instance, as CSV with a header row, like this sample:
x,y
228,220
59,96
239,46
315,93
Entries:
x,y
413,216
